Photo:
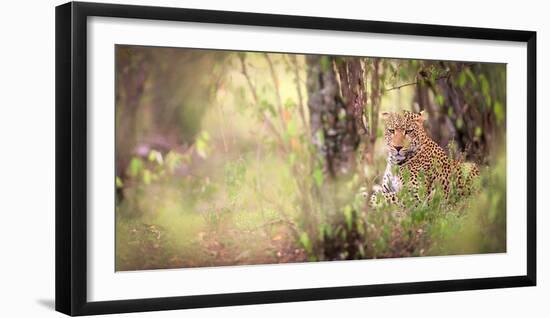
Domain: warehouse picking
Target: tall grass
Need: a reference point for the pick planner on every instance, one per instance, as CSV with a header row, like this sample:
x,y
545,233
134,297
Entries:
x,y
438,225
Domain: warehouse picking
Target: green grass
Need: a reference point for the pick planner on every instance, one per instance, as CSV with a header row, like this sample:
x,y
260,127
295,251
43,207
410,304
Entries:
x,y
243,196
240,210
458,225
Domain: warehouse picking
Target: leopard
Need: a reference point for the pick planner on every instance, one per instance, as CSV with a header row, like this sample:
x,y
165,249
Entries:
x,y
414,158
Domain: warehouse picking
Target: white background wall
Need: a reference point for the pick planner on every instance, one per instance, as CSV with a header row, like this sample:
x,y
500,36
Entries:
x,y
27,158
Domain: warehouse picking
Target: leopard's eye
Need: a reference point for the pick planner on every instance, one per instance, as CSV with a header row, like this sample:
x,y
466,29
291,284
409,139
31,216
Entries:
x,y
408,131
391,131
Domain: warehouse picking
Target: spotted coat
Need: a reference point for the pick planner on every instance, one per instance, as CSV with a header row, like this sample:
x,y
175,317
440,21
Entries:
x,y
412,152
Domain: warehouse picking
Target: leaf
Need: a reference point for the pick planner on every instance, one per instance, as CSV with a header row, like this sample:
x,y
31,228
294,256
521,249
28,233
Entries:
x,y
326,231
433,77
173,160
450,112
485,88
478,132
471,77
461,80
440,100
402,74
289,103
348,214
147,176
266,105
306,243
325,63
201,148
135,167
155,156
318,176
118,182
499,111
459,123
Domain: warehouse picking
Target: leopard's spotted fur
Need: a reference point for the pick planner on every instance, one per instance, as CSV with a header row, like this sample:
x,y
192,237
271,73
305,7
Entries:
x,y
411,149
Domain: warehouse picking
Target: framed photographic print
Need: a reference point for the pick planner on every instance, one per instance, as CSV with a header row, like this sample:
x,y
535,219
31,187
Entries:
x,y
208,158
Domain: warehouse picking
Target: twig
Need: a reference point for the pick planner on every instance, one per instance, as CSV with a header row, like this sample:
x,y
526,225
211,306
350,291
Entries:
x,y
277,221
277,90
299,91
252,88
221,114
414,83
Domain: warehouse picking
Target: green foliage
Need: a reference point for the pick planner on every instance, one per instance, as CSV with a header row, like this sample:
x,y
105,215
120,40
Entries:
x,y
471,77
459,123
306,243
292,128
318,176
348,216
265,105
403,75
289,103
485,90
155,156
478,131
461,80
499,111
234,173
437,225
118,182
174,160
135,167
203,148
320,137
440,100
326,63
248,183
147,177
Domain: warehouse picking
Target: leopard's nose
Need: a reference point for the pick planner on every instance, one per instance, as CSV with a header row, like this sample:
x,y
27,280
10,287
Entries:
x,y
398,148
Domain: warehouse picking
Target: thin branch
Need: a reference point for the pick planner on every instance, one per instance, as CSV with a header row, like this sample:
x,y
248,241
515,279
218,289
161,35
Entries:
x,y
299,91
275,80
414,83
217,84
252,88
276,222
292,63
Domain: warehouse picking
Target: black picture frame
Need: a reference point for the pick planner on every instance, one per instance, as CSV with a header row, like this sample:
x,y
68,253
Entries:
x,y
71,157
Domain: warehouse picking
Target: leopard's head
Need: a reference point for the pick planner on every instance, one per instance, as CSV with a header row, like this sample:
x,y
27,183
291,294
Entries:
x,y
403,134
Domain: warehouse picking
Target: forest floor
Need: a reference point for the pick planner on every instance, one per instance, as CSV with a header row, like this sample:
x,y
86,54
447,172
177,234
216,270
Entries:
x,y
272,244
264,247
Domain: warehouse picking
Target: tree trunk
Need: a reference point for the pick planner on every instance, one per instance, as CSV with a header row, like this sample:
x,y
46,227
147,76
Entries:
x,y
470,122
332,118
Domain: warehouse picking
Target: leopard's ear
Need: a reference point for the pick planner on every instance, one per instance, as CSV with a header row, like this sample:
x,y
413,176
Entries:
x,y
385,115
422,117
